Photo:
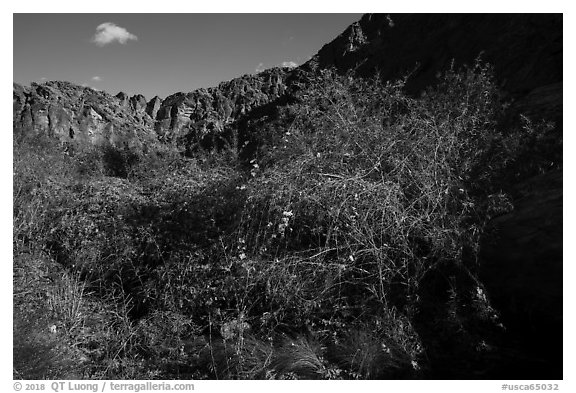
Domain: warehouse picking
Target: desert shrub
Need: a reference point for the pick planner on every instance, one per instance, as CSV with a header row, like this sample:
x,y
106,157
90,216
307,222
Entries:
x,y
37,171
381,182
118,162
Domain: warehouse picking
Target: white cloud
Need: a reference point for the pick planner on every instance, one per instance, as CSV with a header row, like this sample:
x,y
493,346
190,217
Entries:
x,y
260,67
290,64
108,32
43,78
96,78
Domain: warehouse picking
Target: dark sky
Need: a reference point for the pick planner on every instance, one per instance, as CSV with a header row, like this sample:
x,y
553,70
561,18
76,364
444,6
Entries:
x,y
164,53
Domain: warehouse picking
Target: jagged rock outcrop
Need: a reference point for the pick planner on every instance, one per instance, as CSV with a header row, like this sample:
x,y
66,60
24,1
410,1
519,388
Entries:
x,y
78,115
81,114
123,98
205,113
153,106
138,103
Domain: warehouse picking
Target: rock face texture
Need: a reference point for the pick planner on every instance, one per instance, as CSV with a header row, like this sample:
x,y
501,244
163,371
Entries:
x,y
153,106
205,114
79,115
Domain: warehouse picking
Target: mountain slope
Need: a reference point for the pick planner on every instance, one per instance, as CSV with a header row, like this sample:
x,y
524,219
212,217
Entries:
x,y
526,50
81,115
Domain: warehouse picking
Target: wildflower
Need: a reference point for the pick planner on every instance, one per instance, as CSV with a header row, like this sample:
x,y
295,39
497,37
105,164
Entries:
x,y
385,348
480,293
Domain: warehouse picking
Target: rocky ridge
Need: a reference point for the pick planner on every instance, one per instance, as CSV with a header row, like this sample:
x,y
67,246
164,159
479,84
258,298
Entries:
x,y
525,50
75,114
204,115
79,115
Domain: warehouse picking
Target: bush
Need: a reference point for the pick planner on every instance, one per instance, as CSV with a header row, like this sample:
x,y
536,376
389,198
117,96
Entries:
x,y
380,181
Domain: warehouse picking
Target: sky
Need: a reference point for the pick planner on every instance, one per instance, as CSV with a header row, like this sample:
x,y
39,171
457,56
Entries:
x,y
161,54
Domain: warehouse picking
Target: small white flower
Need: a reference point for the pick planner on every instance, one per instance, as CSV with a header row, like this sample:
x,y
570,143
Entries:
x,y
480,293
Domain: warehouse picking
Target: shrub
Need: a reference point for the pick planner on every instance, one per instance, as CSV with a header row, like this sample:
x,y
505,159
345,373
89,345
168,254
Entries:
x,y
381,182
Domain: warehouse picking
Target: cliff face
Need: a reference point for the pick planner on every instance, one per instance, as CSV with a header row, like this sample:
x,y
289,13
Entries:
x,y
205,113
79,115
